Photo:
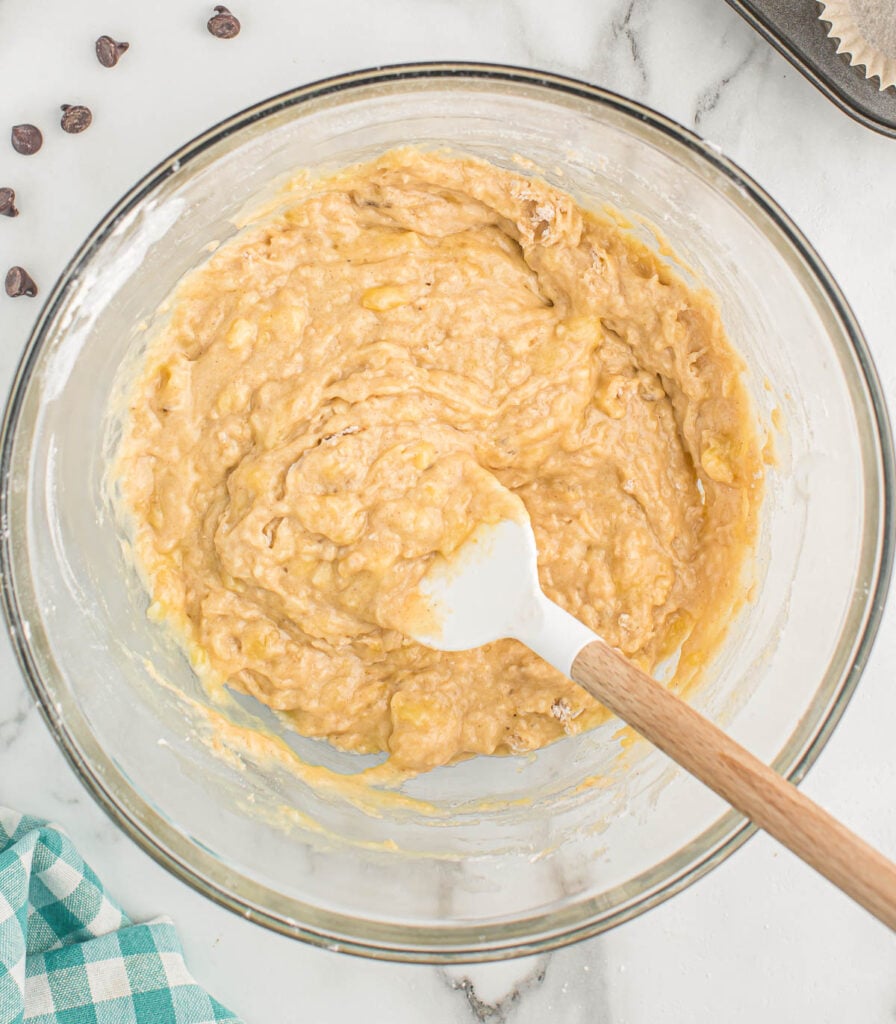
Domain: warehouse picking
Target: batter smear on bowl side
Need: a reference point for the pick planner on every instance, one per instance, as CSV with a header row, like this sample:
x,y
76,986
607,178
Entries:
x,y
346,389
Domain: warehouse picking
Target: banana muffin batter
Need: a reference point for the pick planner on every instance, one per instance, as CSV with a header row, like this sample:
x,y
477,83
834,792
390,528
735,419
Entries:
x,y
347,389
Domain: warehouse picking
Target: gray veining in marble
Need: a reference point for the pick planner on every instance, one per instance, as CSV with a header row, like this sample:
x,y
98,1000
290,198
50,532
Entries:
x,y
12,724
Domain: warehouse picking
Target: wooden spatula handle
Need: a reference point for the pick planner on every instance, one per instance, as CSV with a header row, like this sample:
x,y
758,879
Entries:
x,y
740,778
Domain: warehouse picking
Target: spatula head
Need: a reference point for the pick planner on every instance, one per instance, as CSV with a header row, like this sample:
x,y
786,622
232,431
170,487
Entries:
x,y
478,594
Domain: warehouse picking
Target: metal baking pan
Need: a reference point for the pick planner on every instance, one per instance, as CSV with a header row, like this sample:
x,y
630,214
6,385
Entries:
x,y
796,31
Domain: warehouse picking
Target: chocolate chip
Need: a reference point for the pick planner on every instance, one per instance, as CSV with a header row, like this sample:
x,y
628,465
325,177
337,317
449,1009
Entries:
x,y
223,25
108,52
75,119
8,203
19,282
26,139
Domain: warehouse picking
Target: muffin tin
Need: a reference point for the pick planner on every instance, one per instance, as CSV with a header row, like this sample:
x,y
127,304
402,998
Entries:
x,y
796,31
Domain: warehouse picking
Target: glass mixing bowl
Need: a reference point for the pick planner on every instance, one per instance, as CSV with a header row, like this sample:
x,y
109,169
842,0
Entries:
x,y
493,857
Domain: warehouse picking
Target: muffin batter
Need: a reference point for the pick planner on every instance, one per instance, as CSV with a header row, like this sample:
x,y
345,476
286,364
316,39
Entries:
x,y
354,384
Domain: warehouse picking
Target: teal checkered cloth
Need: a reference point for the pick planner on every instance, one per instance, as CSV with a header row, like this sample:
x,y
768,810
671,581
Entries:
x,y
70,955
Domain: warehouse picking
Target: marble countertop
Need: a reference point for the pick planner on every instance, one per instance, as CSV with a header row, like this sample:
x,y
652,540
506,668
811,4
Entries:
x,y
761,938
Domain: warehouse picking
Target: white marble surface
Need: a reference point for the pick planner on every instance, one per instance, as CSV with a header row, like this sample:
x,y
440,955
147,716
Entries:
x,y
761,938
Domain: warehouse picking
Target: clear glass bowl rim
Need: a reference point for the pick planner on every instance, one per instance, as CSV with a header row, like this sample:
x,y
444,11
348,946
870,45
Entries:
x,y
536,934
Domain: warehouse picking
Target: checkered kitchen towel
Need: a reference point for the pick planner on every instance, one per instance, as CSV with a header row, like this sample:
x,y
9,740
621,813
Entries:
x,y
70,955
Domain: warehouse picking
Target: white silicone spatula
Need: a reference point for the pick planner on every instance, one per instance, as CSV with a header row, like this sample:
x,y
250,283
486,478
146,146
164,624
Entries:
x,y
490,591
